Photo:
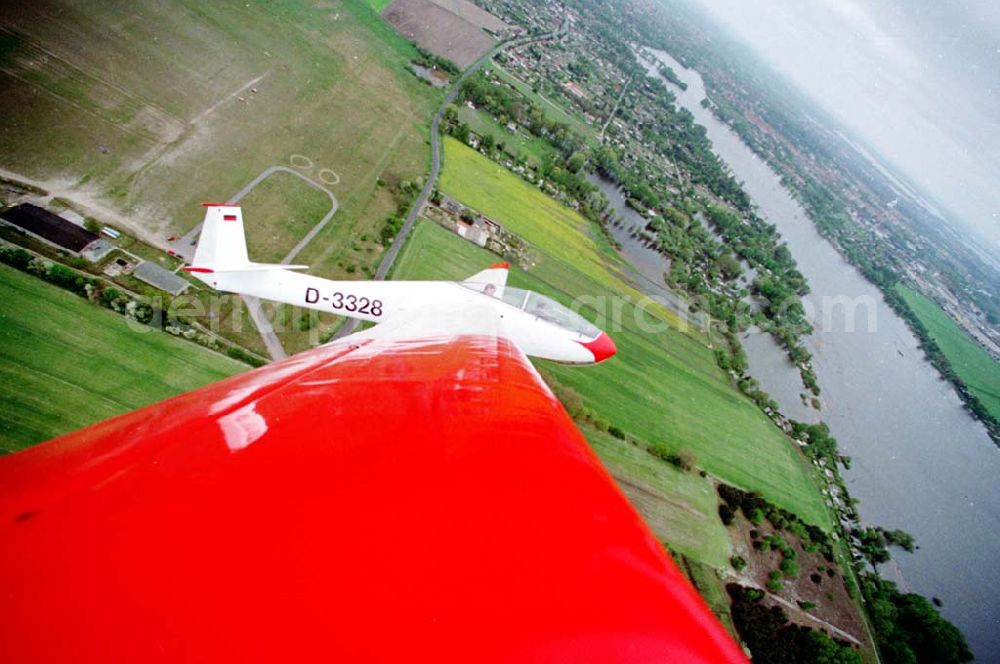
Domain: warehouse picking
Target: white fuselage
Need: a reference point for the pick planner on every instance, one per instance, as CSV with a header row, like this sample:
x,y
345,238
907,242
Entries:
x,y
461,309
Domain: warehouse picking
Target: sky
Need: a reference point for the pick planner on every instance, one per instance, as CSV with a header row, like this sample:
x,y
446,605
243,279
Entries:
x,y
918,81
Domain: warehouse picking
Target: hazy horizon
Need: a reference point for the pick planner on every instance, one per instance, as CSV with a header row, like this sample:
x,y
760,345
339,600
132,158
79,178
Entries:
x,y
919,83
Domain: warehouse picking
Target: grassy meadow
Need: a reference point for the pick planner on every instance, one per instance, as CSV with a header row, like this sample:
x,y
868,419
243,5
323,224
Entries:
x,y
664,386
971,362
562,236
205,96
66,363
278,213
680,507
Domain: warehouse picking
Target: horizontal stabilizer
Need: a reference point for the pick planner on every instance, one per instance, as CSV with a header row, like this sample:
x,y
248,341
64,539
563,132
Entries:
x,y
249,267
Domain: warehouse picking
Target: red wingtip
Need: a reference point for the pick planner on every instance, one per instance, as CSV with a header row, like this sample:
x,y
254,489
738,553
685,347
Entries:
x,y
500,266
219,205
602,347
203,270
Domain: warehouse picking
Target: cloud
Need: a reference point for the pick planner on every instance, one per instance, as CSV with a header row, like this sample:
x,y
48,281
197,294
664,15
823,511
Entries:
x,y
900,76
856,19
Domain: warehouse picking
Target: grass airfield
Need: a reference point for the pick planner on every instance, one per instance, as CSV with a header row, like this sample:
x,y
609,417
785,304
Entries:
x,y
286,197
145,109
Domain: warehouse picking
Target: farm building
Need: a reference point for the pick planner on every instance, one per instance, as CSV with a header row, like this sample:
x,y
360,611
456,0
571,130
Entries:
x,y
48,227
156,276
475,231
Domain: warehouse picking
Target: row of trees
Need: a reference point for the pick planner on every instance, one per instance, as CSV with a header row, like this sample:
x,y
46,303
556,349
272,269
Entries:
x,y
897,644
508,105
100,293
431,61
908,628
91,288
699,265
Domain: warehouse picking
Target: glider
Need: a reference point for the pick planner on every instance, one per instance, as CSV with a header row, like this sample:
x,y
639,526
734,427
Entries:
x,y
482,304
413,492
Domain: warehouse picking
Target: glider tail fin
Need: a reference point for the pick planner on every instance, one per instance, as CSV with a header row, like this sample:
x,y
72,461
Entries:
x,y
223,243
492,280
222,246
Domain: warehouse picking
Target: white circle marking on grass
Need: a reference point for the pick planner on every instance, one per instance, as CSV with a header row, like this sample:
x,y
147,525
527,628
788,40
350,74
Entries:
x,y
325,173
301,161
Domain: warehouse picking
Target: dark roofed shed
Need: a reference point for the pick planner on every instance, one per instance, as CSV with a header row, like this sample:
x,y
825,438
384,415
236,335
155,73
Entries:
x,y
50,227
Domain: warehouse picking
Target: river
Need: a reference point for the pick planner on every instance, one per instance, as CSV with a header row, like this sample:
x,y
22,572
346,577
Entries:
x,y
920,461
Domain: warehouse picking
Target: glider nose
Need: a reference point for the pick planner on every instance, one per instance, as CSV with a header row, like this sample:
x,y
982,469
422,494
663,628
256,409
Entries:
x,y
602,347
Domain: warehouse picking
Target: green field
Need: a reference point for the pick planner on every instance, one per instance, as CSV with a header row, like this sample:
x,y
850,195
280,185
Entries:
x,y
663,387
680,507
378,5
563,237
278,213
533,150
204,97
66,363
969,360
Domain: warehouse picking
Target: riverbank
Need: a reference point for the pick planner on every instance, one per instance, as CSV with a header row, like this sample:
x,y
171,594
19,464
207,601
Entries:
x,y
903,427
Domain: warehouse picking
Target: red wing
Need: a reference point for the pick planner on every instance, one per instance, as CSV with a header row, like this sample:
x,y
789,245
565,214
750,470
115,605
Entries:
x,y
398,501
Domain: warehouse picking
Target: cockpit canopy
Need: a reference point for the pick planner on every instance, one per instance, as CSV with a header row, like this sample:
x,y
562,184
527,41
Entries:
x,y
543,307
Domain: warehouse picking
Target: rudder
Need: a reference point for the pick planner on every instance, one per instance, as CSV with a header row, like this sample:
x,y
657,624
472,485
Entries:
x,y
223,242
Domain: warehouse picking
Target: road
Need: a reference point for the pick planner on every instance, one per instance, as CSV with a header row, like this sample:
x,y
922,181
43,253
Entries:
x,y
184,247
798,611
614,111
411,218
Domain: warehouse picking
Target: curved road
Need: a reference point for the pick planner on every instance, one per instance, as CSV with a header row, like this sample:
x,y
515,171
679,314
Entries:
x,y
411,218
183,246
